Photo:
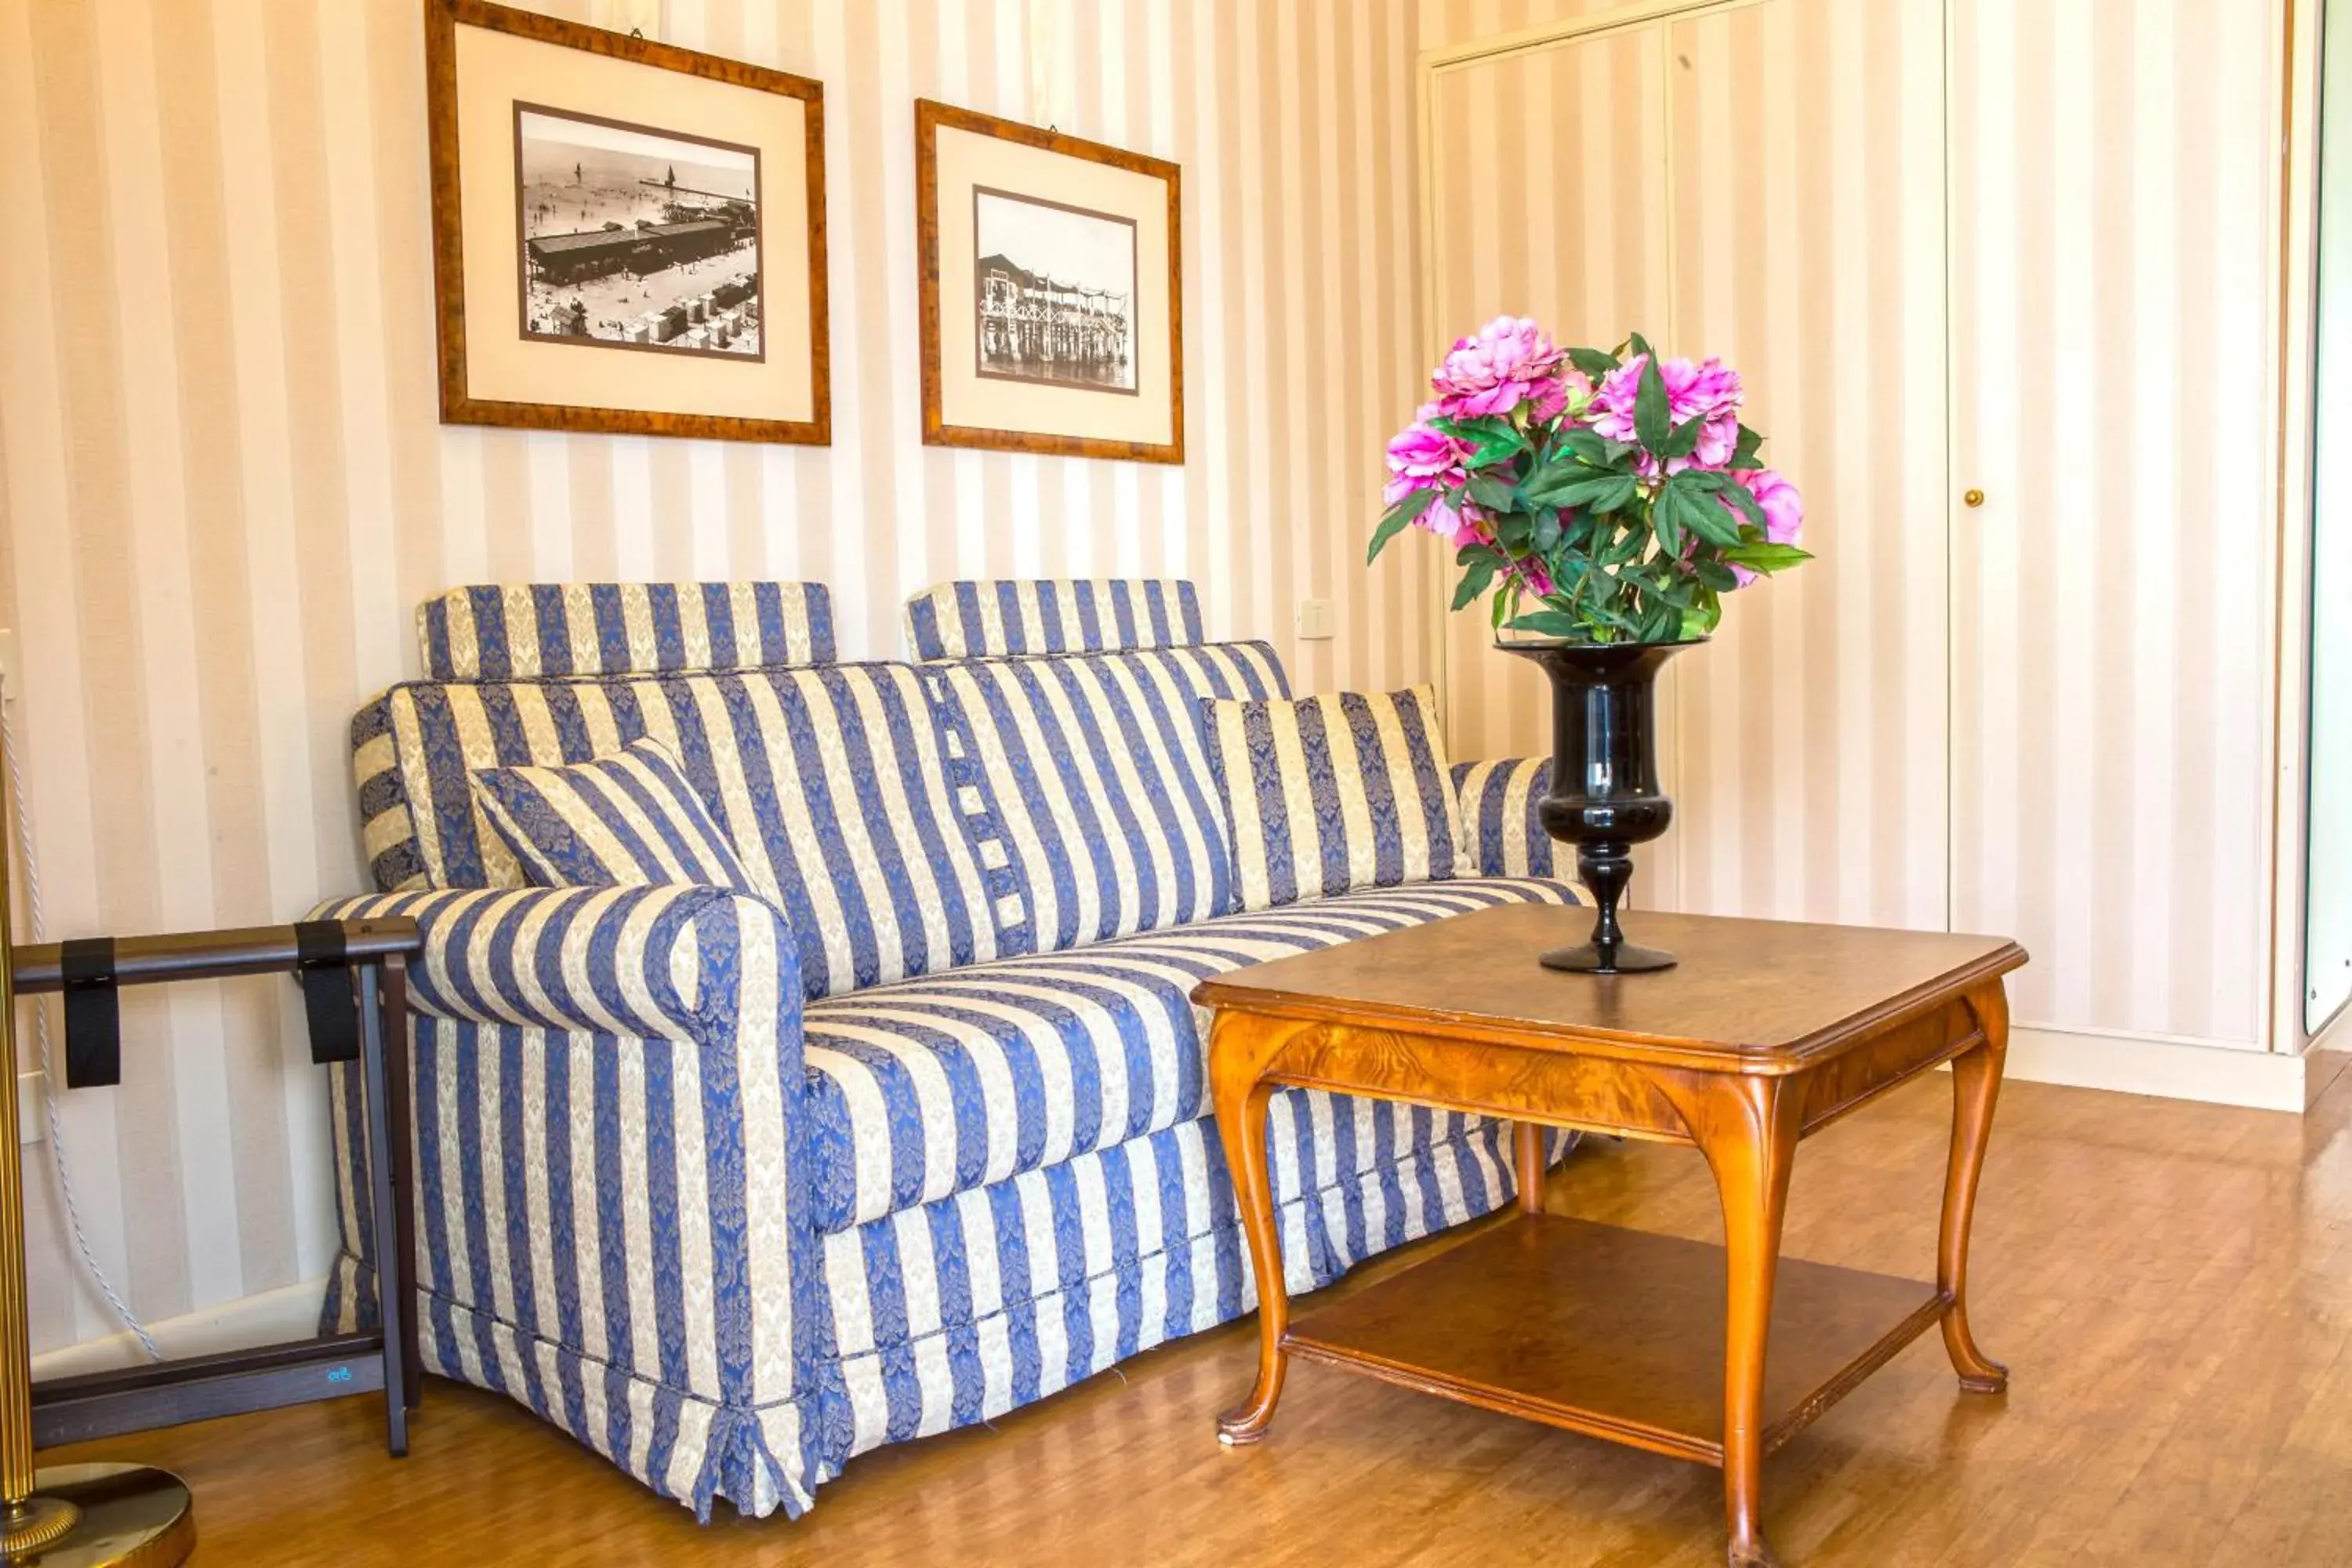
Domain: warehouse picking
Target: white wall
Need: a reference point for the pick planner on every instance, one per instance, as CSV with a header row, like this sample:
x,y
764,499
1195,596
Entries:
x,y
2327,946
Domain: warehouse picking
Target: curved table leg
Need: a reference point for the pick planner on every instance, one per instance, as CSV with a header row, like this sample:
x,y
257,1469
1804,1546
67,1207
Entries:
x,y
1747,1129
1976,1085
1240,1099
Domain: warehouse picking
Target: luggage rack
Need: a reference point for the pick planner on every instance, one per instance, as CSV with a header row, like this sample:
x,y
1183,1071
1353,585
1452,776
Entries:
x,y
355,976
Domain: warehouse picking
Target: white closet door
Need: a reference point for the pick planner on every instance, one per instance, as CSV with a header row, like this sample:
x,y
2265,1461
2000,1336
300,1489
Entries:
x,y
2115,180
1548,188
1809,767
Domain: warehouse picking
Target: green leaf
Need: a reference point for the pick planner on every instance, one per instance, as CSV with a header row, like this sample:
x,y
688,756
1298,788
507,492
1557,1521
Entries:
x,y
1545,538
1514,531
1590,447
1767,558
1715,575
1490,438
1474,581
1743,455
1572,488
1493,495
1703,480
1741,497
1503,604
1652,415
1627,546
1683,440
1397,520
1547,623
1701,514
1674,589
1628,489
1636,343
1471,553
1596,364
1668,524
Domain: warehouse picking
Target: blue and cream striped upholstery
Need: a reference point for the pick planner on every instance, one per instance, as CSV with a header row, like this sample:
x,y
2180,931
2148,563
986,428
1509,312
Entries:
x,y
1094,774
958,1311
615,1219
544,630
934,1085
830,782
1499,818
997,618
733,1190
1330,794
624,821
607,1123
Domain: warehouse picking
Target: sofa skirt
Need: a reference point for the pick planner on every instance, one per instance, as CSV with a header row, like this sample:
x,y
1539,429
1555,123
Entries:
x,y
965,1308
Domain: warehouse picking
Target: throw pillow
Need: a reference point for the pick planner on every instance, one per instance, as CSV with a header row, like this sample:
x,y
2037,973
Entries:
x,y
630,819
1328,793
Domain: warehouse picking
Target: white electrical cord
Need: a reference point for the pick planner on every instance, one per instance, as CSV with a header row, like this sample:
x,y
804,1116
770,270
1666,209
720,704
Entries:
x,y
121,1309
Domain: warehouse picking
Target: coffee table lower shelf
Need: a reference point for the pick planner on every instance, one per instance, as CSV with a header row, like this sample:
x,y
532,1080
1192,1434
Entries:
x,y
1613,1332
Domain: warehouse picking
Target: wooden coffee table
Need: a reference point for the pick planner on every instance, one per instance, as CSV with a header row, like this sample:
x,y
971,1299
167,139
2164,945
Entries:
x,y
1765,1033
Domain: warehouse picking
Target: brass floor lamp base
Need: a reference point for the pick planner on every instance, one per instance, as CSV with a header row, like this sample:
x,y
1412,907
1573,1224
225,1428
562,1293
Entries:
x,y
102,1516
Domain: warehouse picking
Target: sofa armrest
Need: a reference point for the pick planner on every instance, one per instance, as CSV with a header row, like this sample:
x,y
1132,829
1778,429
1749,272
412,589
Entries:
x,y
1499,811
665,1023
661,962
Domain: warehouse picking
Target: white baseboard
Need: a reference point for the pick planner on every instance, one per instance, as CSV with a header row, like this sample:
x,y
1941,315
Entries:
x,y
2170,1070
272,1317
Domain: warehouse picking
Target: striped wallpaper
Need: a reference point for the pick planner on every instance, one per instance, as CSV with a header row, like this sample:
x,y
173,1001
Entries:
x,y
2046,716
225,487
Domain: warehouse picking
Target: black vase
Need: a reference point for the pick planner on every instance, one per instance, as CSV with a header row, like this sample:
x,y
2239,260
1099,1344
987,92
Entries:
x,y
1604,795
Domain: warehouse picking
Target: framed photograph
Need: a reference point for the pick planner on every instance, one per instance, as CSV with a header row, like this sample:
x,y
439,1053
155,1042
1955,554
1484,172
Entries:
x,y
628,238
1053,291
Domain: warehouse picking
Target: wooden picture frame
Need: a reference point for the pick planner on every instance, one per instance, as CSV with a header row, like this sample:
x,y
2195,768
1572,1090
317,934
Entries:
x,y
1120,392
730,361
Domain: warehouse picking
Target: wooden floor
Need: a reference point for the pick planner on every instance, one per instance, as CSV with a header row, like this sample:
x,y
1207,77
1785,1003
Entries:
x,y
2171,1286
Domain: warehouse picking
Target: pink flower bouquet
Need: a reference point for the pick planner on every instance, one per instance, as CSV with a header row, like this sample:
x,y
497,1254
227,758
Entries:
x,y
1602,496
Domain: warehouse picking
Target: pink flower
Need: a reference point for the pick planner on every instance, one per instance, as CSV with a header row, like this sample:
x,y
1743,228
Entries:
x,y
1707,392
1783,508
1510,362
1531,574
1423,458
1456,528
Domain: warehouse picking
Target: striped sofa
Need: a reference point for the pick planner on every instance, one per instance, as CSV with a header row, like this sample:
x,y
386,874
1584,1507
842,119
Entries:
x,y
733,1190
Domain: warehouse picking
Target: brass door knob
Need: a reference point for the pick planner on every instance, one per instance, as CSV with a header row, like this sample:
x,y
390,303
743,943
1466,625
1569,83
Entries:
x,y
1973,497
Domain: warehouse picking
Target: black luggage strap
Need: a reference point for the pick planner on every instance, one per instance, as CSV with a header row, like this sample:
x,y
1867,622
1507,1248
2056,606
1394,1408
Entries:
x,y
326,980
93,1013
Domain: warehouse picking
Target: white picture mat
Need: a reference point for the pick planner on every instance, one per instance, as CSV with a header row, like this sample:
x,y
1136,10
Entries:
x,y
496,69
966,159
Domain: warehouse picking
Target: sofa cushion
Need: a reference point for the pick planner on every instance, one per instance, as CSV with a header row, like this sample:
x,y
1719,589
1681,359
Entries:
x,y
1093,769
1330,794
628,820
1500,825
832,782
953,1081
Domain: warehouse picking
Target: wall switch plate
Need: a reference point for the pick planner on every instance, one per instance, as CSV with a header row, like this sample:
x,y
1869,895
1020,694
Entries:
x,y
1314,619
